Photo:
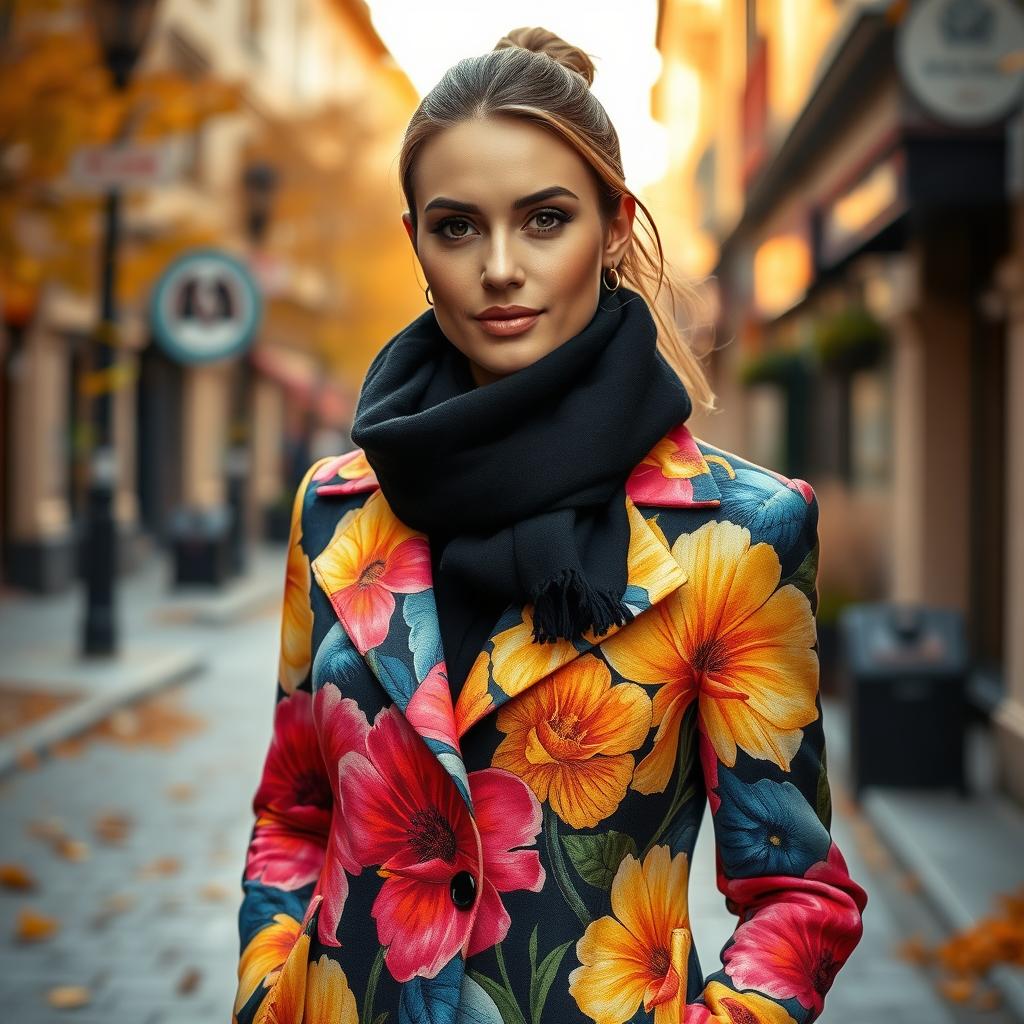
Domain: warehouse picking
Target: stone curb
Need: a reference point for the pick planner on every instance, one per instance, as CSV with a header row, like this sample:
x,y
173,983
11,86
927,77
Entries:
x,y
159,669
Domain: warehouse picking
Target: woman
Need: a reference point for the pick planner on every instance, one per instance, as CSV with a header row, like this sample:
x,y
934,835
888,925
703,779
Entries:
x,y
532,624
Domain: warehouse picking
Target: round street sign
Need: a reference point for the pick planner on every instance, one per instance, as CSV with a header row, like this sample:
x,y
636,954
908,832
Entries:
x,y
205,306
958,58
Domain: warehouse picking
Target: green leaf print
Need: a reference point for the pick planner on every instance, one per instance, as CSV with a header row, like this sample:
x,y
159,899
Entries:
x,y
510,1012
824,796
597,858
542,978
803,578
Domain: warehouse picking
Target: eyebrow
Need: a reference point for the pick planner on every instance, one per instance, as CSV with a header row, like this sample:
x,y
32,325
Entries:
x,y
534,197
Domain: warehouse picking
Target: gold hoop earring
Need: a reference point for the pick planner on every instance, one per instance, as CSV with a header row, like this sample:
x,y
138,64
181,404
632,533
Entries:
x,y
618,278
426,292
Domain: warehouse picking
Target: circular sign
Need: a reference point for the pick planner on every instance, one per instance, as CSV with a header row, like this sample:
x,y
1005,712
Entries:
x,y
205,306
957,58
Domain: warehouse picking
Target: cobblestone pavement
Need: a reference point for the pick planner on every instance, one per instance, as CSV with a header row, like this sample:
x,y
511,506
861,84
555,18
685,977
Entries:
x,y
148,925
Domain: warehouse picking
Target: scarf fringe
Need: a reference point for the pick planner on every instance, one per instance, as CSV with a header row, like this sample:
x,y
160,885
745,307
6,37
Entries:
x,y
566,605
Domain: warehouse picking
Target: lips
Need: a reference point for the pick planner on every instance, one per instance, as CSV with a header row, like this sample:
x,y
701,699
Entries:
x,y
507,313
509,322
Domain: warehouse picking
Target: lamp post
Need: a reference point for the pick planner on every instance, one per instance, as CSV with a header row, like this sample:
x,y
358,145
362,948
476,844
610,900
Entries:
x,y
19,300
121,29
259,183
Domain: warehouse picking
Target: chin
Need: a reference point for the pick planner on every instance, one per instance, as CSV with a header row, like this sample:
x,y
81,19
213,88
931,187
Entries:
x,y
508,355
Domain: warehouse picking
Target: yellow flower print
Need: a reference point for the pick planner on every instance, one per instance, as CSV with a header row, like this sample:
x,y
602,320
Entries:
x,y
263,957
296,619
329,1000
569,739
640,954
729,1007
734,640
309,993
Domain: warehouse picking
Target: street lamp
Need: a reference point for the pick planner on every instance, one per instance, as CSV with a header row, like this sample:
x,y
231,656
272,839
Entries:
x,y
259,183
121,29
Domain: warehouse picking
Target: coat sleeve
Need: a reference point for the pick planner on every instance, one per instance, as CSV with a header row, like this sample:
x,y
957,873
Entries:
x,y
293,801
799,912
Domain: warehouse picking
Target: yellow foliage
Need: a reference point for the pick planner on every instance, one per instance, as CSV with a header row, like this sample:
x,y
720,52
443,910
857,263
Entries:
x,y
56,96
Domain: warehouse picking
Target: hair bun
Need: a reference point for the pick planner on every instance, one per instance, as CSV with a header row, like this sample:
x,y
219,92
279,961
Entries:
x,y
541,40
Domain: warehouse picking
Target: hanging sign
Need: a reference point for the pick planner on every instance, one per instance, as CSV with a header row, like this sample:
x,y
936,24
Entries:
x,y
960,58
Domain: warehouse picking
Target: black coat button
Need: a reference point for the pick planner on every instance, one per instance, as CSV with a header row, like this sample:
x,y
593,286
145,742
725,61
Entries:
x,y
463,888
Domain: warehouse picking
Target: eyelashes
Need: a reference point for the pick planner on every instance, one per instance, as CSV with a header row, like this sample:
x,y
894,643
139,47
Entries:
x,y
561,217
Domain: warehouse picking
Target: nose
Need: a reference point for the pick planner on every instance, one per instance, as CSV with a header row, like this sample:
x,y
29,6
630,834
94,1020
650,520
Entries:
x,y
501,266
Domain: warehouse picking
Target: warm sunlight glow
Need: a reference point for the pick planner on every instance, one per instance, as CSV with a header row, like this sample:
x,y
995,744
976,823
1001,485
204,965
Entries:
x,y
426,39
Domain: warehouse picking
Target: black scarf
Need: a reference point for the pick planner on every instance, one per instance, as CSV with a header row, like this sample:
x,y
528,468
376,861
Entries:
x,y
525,475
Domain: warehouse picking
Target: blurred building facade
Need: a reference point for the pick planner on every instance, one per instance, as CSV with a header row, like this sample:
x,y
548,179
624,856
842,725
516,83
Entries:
x,y
868,252
322,104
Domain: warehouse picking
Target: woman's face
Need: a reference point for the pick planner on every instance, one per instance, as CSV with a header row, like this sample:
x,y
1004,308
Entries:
x,y
508,216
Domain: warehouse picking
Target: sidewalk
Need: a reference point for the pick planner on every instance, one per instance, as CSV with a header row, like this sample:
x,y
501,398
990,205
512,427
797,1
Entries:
x,y
963,852
41,668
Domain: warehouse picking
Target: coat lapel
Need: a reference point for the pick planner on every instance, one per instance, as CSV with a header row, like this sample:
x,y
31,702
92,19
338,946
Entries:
x,y
376,572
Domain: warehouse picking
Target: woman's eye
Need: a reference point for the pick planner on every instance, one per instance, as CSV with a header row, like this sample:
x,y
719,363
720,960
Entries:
x,y
549,220
449,222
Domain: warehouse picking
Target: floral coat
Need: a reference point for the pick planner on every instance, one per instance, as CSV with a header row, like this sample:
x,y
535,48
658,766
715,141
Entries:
x,y
521,856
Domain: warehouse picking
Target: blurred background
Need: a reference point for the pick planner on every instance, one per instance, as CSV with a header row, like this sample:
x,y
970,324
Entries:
x,y
201,251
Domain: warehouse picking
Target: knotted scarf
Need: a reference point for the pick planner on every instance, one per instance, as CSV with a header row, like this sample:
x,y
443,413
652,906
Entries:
x,y
525,476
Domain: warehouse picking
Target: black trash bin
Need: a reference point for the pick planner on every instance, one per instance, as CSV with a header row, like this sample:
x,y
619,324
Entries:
x,y
201,541
904,669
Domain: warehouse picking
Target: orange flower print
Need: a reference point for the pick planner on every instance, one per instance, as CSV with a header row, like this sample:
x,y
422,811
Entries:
x,y
372,557
732,639
639,954
570,737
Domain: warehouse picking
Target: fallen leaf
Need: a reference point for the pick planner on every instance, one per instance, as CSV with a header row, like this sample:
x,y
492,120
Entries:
x,y
20,707
909,882
112,827
189,981
112,906
997,938
71,747
72,849
14,876
159,721
915,951
67,997
33,926
957,990
214,892
161,867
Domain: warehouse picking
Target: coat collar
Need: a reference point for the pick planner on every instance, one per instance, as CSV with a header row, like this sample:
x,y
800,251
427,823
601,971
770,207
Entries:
x,y
376,572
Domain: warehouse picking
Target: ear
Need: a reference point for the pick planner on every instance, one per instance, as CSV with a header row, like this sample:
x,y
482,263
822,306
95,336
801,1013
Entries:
x,y
409,229
619,230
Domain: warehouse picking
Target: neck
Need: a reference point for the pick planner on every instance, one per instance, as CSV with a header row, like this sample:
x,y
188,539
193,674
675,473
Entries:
x,y
482,376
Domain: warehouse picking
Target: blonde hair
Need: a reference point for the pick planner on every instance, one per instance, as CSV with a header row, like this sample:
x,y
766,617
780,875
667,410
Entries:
x,y
535,75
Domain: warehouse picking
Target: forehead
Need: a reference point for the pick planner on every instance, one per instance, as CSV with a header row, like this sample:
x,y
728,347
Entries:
x,y
493,161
